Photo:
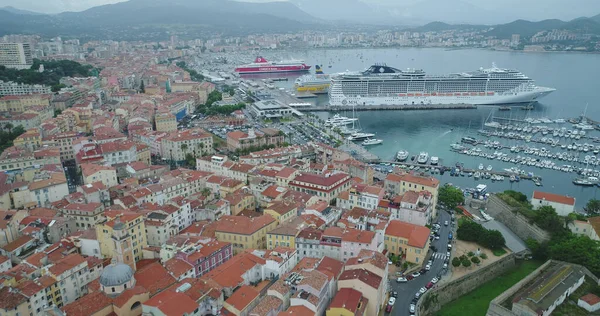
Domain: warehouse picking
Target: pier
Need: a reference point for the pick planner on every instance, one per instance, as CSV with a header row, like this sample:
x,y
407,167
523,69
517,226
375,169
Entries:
x,y
416,107
443,169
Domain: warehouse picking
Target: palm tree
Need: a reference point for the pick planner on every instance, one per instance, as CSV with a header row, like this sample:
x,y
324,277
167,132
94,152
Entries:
x,y
184,148
570,219
205,192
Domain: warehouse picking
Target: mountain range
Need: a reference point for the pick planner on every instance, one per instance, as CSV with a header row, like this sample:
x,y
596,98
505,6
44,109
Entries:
x,y
155,19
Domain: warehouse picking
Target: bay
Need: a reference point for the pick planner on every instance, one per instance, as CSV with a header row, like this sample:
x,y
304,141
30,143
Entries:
x,y
574,75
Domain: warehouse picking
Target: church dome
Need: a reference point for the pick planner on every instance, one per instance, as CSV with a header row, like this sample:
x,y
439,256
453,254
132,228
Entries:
x,y
116,275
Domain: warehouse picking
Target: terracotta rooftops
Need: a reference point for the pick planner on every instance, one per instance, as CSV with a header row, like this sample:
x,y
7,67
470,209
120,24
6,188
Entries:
x,y
591,299
88,304
320,180
349,299
243,225
266,306
375,258
556,198
67,263
172,303
177,267
242,297
10,299
416,235
363,275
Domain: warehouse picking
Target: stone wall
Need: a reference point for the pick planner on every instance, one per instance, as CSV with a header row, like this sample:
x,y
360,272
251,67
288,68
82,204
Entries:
x,y
433,300
519,224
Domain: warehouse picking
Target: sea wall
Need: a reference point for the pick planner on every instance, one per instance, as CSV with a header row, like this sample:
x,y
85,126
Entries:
x,y
519,224
434,299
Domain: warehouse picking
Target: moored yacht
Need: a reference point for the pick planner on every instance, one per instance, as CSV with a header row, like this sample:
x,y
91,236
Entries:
x,y
402,155
423,158
434,160
372,141
360,136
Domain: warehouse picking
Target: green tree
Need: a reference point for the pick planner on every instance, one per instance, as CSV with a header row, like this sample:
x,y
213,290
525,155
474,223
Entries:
x,y
577,249
450,196
475,260
190,160
547,219
592,207
57,113
456,262
493,239
142,87
466,263
205,192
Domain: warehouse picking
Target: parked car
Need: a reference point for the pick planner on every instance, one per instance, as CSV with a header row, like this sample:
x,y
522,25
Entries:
x,y
402,280
428,267
409,277
430,262
434,280
429,285
412,308
392,301
437,237
423,290
416,274
395,294
448,254
445,223
445,265
417,295
388,308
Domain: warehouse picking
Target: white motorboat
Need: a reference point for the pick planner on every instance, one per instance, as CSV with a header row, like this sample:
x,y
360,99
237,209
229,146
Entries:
x,y
480,166
402,155
360,136
338,120
489,168
372,141
434,160
423,158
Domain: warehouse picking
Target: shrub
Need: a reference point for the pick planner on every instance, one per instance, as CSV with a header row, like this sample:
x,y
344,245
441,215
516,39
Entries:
x,y
471,254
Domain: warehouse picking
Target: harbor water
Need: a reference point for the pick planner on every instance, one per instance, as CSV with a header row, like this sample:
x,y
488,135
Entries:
x,y
433,131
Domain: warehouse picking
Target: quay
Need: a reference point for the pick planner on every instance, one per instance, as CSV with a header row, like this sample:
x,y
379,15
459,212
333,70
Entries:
x,y
442,169
416,107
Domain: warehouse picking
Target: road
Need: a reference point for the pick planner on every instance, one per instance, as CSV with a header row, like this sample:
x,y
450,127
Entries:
x,y
406,291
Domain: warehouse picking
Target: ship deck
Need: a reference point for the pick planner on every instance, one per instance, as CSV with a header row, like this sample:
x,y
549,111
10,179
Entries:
x,y
329,108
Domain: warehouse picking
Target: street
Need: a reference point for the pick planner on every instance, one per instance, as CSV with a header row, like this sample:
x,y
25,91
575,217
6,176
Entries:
x,y
406,291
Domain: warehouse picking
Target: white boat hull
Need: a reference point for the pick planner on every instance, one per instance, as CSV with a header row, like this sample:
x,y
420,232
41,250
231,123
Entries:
x,y
496,99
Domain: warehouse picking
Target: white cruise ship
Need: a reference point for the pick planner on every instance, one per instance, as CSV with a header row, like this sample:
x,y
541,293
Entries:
x,y
384,85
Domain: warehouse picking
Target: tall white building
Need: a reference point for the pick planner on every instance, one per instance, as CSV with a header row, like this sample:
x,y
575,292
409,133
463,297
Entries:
x,y
13,88
16,55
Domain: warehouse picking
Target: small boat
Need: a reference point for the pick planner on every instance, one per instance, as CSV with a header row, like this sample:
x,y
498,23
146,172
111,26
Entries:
x,y
504,108
513,178
468,140
489,168
480,166
371,141
537,183
434,160
477,175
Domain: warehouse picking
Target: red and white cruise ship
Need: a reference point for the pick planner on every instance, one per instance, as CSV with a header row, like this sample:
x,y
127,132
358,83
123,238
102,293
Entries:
x,y
261,65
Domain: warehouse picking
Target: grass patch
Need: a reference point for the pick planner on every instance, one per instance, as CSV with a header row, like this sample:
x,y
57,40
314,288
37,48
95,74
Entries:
x,y
477,301
499,252
219,142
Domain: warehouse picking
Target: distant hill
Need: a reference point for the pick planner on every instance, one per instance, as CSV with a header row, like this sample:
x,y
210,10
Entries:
x,y
596,18
154,18
441,26
524,28
19,11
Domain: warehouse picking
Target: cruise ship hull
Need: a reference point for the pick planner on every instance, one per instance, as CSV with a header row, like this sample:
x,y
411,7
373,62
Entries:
x,y
410,99
270,69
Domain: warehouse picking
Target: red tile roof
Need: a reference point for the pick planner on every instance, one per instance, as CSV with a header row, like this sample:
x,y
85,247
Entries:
x,y
320,180
358,236
556,198
331,267
416,235
298,310
591,299
17,243
67,263
229,274
177,267
242,297
88,304
10,299
363,275
347,298
243,225
154,278
172,303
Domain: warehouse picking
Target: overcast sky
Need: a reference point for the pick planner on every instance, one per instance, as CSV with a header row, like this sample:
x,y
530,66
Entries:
x,y
529,9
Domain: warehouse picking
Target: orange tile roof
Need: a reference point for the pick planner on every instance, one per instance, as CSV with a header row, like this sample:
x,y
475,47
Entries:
x,y
243,225
229,274
154,278
348,299
177,267
298,310
267,305
358,236
375,258
416,235
591,299
306,263
363,275
88,304
17,243
172,303
331,267
556,198
9,299
242,297
67,263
